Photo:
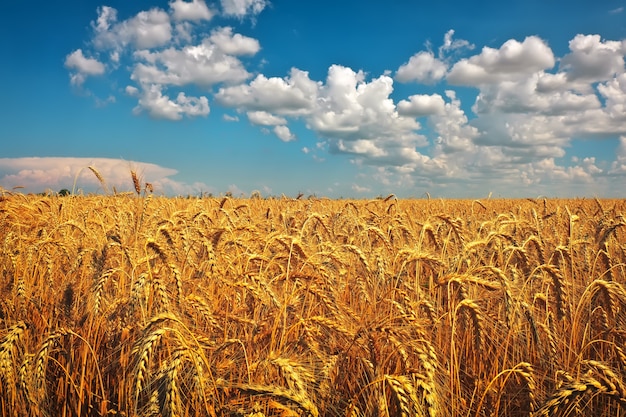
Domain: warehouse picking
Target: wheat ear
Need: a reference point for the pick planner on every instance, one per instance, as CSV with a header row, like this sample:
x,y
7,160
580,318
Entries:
x,y
8,358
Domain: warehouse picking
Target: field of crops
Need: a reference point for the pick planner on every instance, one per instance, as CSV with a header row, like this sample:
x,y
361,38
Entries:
x,y
127,305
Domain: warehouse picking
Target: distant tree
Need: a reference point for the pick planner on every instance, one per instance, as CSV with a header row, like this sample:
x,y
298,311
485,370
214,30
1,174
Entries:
x,y
64,192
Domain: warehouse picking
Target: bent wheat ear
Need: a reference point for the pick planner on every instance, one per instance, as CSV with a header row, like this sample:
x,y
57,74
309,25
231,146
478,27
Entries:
x,y
473,311
568,396
560,291
100,178
405,394
294,397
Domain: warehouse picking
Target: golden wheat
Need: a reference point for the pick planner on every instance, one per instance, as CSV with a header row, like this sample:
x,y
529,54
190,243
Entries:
x,y
147,305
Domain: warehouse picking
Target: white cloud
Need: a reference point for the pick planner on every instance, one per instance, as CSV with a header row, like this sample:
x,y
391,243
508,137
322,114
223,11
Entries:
x,y
292,95
421,105
264,118
241,8
547,169
537,93
284,133
107,16
513,59
161,106
361,147
547,82
450,45
90,66
353,109
350,114
204,64
195,10
592,60
422,67
230,118
454,132
104,102
147,29
619,165
55,173
354,116
236,44
235,190
132,91
524,116
210,62
359,118
83,66
360,189
614,92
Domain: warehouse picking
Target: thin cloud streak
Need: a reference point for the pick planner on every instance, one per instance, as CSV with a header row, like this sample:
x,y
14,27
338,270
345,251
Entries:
x,y
38,174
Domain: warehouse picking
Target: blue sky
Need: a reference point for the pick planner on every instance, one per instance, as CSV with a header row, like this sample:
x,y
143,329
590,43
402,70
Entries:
x,y
337,99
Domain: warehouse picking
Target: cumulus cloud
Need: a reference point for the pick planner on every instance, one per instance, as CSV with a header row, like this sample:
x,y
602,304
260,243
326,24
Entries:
x,y
196,10
454,132
55,173
351,114
160,106
613,92
360,189
422,67
131,91
513,59
167,50
203,65
284,133
526,117
90,66
147,29
234,44
263,118
212,61
515,123
292,95
82,67
548,169
359,117
593,60
242,8
420,105
532,94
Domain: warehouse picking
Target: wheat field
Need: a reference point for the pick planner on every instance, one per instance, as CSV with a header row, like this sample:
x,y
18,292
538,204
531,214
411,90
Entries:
x,y
138,305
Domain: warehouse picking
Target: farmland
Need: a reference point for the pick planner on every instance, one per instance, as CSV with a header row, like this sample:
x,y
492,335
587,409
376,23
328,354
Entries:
x,y
138,305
